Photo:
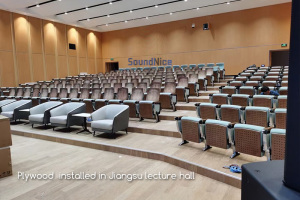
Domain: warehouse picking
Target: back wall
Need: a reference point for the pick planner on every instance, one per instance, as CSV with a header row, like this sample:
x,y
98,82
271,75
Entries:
x,y
238,38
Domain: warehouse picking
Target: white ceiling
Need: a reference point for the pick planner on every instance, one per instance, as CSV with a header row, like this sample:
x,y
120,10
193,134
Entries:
x,y
181,9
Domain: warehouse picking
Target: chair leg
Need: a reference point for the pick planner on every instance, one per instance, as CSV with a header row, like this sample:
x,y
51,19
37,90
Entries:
x,y
31,125
157,117
53,128
126,131
94,133
183,142
141,119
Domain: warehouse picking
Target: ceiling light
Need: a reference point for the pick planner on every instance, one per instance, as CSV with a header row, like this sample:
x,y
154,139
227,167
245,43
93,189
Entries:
x,y
185,0
108,16
58,0
106,24
37,5
198,8
66,13
228,2
110,3
131,11
171,13
126,21
86,8
156,6
88,19
147,17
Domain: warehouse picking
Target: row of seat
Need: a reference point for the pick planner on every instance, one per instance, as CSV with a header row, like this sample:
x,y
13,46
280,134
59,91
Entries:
x,y
258,83
242,138
251,90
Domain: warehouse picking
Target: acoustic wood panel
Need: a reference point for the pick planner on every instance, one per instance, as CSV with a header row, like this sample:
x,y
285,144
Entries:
x,y
91,66
24,73
38,67
82,43
7,70
62,66
49,37
61,39
5,30
83,65
21,33
91,45
73,39
50,67
35,25
73,66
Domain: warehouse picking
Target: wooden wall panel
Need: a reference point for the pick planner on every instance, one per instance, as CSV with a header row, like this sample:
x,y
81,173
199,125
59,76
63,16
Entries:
x,y
237,38
62,66
73,39
83,65
91,66
24,74
5,31
38,67
73,66
7,70
91,45
36,35
50,67
49,37
82,43
21,33
61,39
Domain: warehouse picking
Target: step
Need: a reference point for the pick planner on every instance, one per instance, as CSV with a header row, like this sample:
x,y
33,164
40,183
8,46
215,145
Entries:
x,y
186,106
199,99
170,115
206,93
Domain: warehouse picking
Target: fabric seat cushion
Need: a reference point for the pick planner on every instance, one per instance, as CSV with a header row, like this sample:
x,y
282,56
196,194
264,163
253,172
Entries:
x,y
59,119
8,114
106,124
36,118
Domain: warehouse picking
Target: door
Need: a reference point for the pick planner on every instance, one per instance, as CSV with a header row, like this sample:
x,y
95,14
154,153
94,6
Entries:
x,y
111,66
279,57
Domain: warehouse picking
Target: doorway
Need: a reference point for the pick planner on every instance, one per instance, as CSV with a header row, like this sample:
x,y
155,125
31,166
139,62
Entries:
x,y
111,66
279,57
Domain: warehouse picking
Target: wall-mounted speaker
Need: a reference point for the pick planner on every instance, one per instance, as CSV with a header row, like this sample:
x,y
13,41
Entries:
x,y
206,26
72,46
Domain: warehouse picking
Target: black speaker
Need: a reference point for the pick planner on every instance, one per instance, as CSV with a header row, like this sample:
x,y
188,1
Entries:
x,y
206,26
72,46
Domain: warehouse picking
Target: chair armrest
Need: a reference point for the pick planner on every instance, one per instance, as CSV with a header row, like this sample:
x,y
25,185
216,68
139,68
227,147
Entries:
x,y
98,114
178,118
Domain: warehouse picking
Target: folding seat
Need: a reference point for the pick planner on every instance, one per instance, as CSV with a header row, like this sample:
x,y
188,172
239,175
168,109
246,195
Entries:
x,y
96,85
108,95
139,78
121,96
252,83
277,143
59,86
72,95
259,116
278,118
129,86
284,83
117,86
27,93
192,66
62,94
210,76
175,66
249,71
281,101
272,78
201,65
228,90
35,96
218,134
147,81
262,74
232,113
104,80
123,82
274,74
10,94
168,98
221,70
235,83
240,79
150,108
256,78
90,103
241,99
53,94
246,74
210,64
250,90
193,85
77,86
263,100
143,86
136,96
283,90
19,93
182,89
202,80
285,78
208,110
219,98
84,94
190,129
106,85
252,140
86,85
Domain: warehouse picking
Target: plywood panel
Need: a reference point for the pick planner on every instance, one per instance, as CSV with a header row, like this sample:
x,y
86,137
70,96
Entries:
x,y
35,34
62,66
73,67
73,39
91,44
61,39
83,65
37,67
82,43
21,32
5,31
24,74
91,66
99,67
98,45
7,70
49,37
50,67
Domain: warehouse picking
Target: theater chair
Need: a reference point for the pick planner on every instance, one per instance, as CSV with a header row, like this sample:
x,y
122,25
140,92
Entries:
x,y
19,94
277,144
250,90
281,101
240,79
53,94
168,98
84,94
283,91
190,129
235,83
6,102
193,85
108,95
259,116
26,94
207,110
111,119
219,98
202,81
136,96
252,83
73,94
36,96
252,140
150,108
13,112
210,76
62,94
232,113
41,114
228,90
263,100
182,90
90,103
62,116
120,97
218,134
9,94
284,83
278,118
269,83
241,99
256,78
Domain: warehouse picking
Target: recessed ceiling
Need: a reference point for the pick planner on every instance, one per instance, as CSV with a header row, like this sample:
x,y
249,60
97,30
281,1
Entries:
x,y
109,15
